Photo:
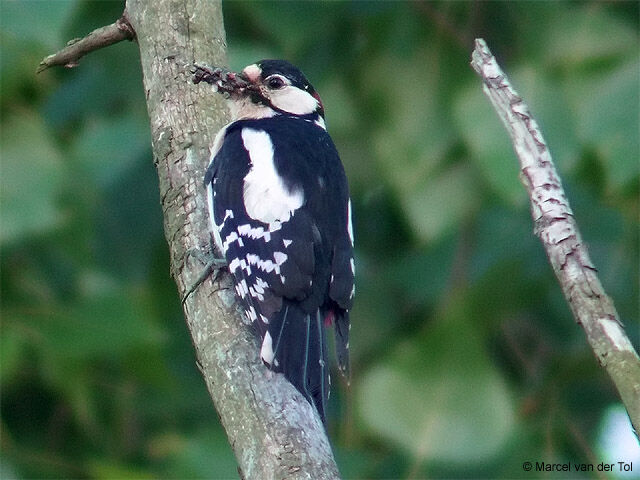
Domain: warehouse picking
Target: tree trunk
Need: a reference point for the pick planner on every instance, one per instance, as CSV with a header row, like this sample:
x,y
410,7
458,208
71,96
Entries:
x,y
272,429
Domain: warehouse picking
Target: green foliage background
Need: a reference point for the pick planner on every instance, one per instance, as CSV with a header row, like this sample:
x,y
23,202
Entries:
x,y
466,360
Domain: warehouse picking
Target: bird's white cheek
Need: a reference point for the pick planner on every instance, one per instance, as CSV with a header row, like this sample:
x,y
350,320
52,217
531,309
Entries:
x,y
294,100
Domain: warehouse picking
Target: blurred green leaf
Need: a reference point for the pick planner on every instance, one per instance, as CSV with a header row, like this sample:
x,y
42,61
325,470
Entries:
x,y
442,202
106,87
32,174
12,346
440,397
105,324
489,143
341,112
21,21
242,54
374,314
415,134
108,469
507,237
607,107
353,463
107,149
6,469
29,31
205,454
422,276
304,22
576,36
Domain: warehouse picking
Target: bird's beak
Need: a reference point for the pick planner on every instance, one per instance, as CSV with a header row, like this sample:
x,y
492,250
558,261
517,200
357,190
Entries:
x,y
225,81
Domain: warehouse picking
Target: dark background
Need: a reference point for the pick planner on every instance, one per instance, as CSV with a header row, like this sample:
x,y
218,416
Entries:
x,y
466,359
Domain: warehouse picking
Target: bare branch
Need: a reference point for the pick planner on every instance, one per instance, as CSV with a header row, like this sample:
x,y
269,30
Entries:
x,y
77,48
558,231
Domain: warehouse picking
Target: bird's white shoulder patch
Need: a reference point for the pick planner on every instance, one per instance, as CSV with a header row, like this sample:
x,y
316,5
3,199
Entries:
x,y
265,196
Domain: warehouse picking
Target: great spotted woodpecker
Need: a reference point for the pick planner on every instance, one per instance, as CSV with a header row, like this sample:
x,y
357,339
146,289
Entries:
x,y
281,216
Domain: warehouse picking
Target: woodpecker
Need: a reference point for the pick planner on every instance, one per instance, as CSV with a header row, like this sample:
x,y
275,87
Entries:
x,y
280,214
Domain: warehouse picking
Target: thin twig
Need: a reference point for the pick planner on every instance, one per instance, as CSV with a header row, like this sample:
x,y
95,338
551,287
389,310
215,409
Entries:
x,y
77,48
558,231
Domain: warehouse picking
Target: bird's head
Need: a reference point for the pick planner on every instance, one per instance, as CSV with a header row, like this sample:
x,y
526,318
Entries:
x,y
265,89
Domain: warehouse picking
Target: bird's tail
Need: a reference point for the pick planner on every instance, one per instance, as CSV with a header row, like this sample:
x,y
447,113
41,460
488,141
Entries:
x,y
298,349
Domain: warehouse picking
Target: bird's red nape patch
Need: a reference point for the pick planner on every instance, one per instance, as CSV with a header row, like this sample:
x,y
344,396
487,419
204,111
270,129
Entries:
x,y
317,97
329,318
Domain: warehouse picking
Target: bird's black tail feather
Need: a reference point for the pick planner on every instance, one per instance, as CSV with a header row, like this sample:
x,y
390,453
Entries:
x,y
342,327
300,352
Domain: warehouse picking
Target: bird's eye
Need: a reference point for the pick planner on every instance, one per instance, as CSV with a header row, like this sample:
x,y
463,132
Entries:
x,y
276,82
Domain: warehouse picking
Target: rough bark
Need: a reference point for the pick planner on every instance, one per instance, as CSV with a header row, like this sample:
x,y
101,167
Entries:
x,y
556,227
